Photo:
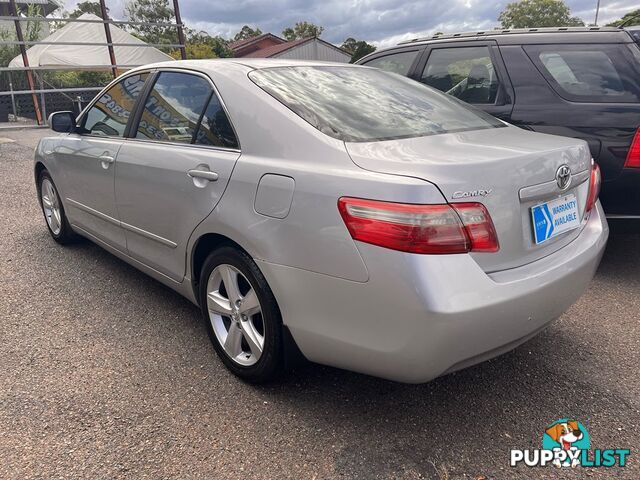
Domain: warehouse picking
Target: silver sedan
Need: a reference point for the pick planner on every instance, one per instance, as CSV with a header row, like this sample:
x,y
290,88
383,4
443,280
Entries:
x,y
358,217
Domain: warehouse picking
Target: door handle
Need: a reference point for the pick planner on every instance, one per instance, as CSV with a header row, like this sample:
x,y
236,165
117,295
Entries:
x,y
205,174
106,160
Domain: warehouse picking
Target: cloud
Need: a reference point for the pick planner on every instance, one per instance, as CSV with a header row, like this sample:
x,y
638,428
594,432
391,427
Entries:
x,y
381,22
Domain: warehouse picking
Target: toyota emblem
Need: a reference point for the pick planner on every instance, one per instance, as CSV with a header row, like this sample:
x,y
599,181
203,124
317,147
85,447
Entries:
x,y
563,177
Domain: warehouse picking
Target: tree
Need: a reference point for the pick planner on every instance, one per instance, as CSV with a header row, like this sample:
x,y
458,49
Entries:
x,y
302,30
202,45
357,48
246,32
538,13
153,11
632,17
87,7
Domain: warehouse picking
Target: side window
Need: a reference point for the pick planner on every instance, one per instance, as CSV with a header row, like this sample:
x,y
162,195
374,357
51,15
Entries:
x,y
396,62
173,108
109,115
588,73
466,73
215,128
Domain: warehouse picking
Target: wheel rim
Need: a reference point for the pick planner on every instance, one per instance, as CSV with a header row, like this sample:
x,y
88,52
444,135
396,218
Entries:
x,y
235,315
51,206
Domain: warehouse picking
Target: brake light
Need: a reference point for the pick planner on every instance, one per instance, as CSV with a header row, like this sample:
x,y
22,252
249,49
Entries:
x,y
426,229
594,186
633,156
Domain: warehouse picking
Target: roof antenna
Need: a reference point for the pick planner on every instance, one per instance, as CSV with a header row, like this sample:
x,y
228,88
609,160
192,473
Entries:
x,y
597,12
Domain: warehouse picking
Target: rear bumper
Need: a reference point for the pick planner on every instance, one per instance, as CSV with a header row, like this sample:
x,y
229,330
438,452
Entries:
x,y
421,316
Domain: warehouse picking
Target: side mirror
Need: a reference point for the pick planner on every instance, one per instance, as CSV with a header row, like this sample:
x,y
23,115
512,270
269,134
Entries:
x,y
62,122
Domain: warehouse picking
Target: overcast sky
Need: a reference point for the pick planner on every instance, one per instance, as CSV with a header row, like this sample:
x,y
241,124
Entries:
x,y
382,22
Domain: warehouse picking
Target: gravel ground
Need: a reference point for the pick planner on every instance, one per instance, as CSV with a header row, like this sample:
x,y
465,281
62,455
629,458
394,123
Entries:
x,y
105,373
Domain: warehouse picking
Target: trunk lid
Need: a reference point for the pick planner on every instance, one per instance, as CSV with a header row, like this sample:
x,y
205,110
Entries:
x,y
508,170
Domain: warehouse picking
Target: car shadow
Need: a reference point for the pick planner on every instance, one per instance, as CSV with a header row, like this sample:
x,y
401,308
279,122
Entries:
x,y
380,426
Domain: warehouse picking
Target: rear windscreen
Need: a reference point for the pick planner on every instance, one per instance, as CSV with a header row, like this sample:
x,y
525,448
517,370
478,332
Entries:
x,y
359,104
589,73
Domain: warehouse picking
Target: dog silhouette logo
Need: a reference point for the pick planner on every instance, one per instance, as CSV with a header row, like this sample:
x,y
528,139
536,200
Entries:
x,y
566,435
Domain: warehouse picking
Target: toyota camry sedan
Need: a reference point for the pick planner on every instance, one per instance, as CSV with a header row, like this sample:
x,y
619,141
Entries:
x,y
349,214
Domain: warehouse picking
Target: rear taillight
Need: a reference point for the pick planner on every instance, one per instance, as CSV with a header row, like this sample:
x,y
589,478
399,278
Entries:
x,y
432,229
594,186
633,157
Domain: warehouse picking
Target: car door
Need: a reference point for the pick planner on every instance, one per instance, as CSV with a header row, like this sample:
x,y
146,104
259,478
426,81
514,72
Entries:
x,y
471,71
88,159
173,170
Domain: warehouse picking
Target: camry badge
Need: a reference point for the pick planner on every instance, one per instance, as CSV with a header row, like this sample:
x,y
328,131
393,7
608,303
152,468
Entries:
x,y
563,177
472,193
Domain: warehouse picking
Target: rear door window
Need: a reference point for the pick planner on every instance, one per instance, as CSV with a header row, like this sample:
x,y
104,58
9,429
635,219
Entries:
x,y
467,73
173,108
399,63
588,73
215,128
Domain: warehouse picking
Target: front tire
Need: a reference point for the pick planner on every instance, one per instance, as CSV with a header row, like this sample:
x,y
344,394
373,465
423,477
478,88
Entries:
x,y
241,315
53,210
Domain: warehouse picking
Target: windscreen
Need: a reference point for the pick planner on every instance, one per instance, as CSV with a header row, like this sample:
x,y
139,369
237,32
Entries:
x,y
359,104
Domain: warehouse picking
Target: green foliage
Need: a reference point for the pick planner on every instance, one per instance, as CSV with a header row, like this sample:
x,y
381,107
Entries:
x,y
247,32
202,45
152,11
632,17
87,7
538,13
30,32
76,79
302,30
357,48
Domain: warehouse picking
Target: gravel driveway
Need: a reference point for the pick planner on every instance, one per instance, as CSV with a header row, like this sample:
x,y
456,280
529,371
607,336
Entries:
x,y
105,373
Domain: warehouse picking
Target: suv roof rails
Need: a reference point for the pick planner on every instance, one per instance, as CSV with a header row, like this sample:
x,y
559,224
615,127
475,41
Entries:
x,y
510,31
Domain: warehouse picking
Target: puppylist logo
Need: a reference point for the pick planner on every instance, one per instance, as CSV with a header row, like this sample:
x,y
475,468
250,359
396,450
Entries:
x,y
566,443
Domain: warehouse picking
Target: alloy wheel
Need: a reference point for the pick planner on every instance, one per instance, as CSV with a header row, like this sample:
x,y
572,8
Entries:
x,y
235,315
51,206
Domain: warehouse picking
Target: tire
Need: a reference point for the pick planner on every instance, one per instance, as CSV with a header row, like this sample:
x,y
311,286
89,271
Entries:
x,y
53,210
247,332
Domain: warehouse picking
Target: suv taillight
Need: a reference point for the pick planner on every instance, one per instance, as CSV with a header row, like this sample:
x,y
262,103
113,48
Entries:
x,y
633,157
427,229
594,186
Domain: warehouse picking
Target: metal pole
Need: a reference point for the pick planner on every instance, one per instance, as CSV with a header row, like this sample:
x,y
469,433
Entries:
x,y
597,12
107,32
25,60
42,98
176,10
13,98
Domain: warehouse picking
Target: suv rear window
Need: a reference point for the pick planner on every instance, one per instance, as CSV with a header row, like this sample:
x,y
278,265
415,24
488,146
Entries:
x,y
588,73
360,104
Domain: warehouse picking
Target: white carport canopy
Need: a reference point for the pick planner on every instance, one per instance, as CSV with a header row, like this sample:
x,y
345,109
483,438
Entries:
x,y
68,56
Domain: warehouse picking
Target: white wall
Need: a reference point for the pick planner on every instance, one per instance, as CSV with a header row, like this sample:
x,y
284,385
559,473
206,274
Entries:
x,y
315,50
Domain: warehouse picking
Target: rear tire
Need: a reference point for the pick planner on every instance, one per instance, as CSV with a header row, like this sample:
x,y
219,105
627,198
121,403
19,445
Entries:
x,y
53,210
241,315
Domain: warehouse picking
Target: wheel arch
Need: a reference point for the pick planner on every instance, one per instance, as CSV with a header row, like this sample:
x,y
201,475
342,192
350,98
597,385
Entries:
x,y
38,168
209,242
206,244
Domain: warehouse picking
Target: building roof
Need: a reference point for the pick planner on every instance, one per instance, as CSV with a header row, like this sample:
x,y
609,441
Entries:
x,y
283,47
63,55
248,41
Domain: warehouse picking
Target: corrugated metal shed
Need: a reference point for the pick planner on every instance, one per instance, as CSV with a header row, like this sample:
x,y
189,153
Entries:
x,y
315,49
303,49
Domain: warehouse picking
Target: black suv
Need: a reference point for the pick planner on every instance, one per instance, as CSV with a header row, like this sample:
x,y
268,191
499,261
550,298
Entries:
x,y
576,82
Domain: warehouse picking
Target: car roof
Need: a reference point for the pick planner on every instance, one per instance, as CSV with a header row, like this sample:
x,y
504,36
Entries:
x,y
531,36
240,64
